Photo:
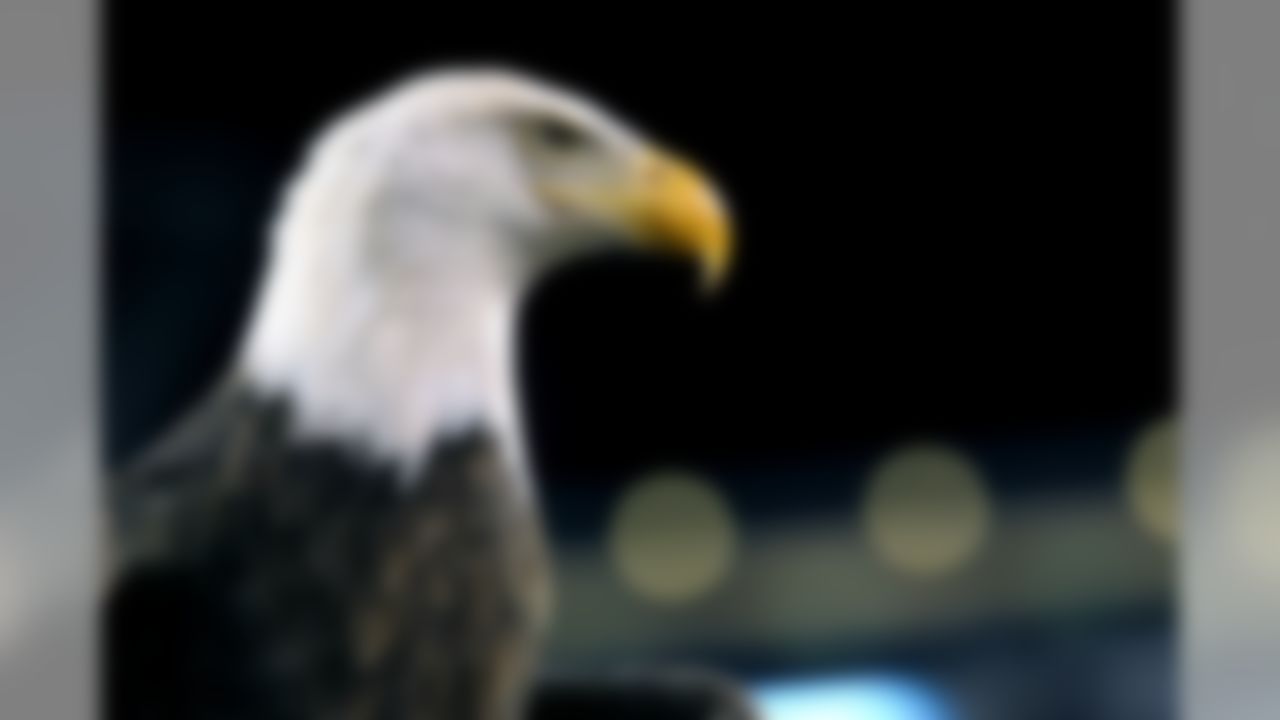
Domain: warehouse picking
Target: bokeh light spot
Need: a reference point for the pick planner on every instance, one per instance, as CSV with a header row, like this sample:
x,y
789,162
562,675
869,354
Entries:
x,y
672,538
1251,495
1151,485
856,698
926,512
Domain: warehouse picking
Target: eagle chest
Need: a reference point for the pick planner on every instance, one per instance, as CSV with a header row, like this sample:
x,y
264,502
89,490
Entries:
x,y
386,600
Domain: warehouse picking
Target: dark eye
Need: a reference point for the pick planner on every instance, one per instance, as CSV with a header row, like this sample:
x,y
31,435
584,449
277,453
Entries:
x,y
559,135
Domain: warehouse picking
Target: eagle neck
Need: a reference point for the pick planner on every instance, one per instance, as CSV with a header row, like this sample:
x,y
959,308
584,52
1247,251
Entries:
x,y
395,360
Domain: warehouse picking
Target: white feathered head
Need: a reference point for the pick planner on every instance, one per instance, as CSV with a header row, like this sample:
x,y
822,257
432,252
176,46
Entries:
x,y
420,218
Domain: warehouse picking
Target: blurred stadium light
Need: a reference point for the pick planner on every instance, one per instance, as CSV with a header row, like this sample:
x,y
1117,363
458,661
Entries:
x,y
927,511
851,698
673,537
1151,479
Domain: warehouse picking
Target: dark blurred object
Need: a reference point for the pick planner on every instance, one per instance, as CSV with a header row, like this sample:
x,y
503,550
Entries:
x,y
667,695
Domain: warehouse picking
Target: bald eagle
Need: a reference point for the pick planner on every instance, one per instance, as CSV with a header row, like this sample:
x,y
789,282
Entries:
x,y
345,527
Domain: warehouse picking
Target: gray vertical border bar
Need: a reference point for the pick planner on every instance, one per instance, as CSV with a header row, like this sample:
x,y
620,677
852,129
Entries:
x,y
1231,360
47,358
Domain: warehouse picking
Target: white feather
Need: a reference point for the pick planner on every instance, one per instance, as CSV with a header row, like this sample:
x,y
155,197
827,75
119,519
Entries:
x,y
387,314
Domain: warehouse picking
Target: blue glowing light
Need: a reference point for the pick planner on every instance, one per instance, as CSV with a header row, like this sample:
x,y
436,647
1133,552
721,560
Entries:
x,y
851,698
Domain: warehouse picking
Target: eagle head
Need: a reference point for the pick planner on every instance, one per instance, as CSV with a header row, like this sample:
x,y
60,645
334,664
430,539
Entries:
x,y
418,221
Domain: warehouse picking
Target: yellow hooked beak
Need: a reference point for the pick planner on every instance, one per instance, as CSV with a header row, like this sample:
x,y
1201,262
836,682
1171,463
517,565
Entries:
x,y
672,207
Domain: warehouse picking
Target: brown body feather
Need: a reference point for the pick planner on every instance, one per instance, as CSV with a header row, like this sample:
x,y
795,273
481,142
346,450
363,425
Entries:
x,y
257,577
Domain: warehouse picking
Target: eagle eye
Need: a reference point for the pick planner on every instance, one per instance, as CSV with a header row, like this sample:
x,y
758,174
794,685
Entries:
x,y
559,135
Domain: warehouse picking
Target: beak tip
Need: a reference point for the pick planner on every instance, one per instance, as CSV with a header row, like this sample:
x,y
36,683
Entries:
x,y
712,281
685,213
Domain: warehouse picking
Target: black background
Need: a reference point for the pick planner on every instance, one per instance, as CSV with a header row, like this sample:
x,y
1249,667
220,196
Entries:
x,y
955,218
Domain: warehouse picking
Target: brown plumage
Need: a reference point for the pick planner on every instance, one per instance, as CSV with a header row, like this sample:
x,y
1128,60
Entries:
x,y
271,579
